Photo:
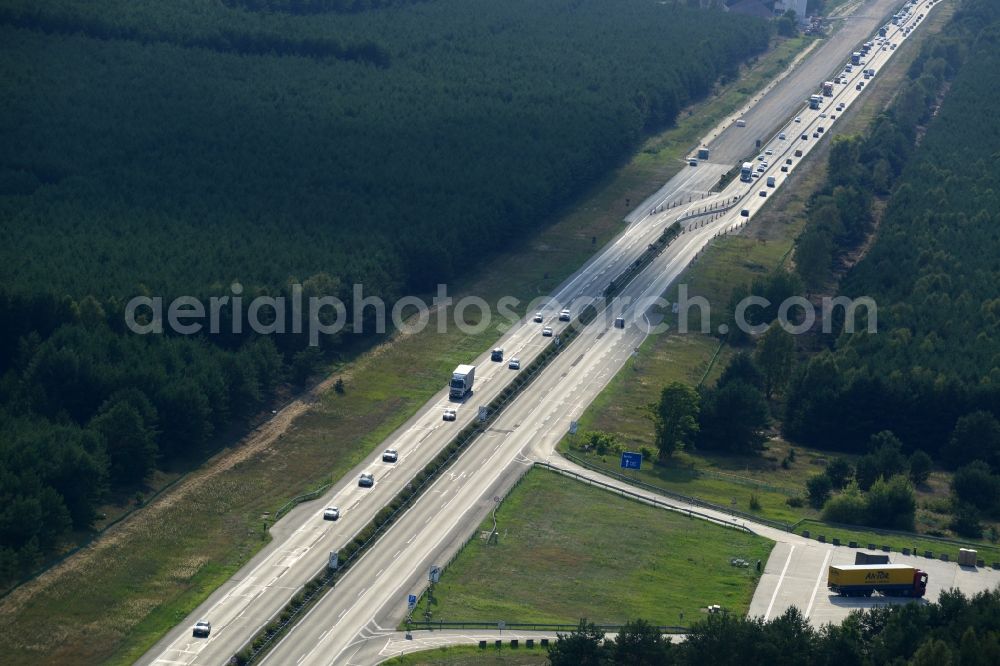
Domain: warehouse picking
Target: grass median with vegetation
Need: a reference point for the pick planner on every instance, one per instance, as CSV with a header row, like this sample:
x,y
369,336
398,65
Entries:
x,y
568,550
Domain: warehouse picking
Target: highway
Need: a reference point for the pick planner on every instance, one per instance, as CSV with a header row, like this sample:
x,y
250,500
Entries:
x,y
529,429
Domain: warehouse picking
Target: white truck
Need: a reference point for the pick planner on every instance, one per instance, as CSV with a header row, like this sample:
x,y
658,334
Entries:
x,y
461,381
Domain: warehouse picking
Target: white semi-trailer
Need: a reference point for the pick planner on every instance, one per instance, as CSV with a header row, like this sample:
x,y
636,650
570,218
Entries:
x,y
461,381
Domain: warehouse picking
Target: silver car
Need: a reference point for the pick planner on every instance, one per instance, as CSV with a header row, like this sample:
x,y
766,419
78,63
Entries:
x,y
547,332
515,364
331,513
390,455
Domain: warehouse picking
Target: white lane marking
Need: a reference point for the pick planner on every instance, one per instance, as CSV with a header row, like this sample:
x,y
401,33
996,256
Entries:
x,y
379,573
777,587
397,554
819,577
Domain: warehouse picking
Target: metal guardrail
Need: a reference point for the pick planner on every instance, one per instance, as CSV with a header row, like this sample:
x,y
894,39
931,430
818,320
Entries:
x,y
820,524
527,626
681,497
295,501
651,500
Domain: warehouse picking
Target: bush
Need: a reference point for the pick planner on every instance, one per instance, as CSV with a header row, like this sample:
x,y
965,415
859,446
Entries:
x,y
975,485
818,488
795,502
839,471
754,502
891,503
966,521
847,507
920,467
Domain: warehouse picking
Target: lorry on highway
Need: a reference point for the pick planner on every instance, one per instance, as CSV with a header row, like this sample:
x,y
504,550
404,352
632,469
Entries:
x,y
746,172
461,381
895,580
856,58
815,101
828,88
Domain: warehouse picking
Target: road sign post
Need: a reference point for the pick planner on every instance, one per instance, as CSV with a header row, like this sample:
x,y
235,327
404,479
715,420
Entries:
x,y
434,574
411,601
632,461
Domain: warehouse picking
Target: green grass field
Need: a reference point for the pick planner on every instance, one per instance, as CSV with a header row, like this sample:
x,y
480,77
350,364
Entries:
x,y
990,553
465,655
114,600
567,550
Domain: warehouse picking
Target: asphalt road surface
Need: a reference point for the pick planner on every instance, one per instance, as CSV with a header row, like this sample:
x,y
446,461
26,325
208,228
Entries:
x,y
370,599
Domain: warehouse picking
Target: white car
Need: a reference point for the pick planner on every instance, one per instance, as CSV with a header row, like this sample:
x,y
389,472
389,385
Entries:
x,y
366,480
390,455
450,415
822,115
547,332
202,629
781,136
798,119
515,364
538,318
331,513
564,315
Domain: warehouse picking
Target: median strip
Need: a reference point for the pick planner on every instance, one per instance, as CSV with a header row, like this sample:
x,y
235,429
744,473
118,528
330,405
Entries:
x,y
312,591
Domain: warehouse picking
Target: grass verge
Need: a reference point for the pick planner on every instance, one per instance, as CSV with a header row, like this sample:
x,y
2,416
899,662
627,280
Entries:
x,y
111,601
990,553
565,551
468,655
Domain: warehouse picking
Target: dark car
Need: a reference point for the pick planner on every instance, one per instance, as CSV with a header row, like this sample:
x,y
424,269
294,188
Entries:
x,y
202,629
366,480
497,354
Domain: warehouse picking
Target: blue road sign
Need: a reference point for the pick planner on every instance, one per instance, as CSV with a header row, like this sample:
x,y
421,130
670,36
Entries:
x,y
631,460
411,601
